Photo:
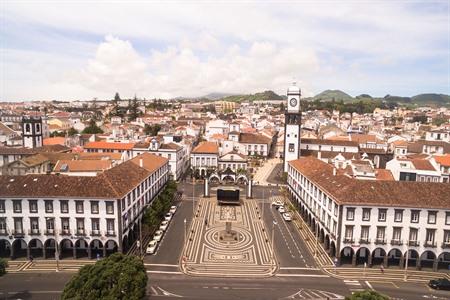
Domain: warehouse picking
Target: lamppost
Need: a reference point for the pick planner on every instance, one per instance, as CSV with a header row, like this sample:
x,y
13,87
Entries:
x,y
263,202
273,234
193,197
56,242
185,232
140,237
405,277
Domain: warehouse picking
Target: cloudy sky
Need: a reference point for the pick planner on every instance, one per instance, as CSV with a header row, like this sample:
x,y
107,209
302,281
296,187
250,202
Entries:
x,y
84,49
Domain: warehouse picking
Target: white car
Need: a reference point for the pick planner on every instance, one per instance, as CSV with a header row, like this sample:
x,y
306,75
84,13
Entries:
x,y
173,209
151,248
287,217
168,216
158,235
277,203
164,225
281,209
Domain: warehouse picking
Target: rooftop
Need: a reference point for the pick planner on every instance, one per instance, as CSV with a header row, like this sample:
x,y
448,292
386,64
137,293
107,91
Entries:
x,y
206,148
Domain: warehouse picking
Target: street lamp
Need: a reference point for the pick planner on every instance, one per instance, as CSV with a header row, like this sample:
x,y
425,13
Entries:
x,y
56,242
193,197
273,233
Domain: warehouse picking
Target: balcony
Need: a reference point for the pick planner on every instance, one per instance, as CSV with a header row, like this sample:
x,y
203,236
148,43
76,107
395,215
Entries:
x,y
395,242
17,232
34,232
364,241
380,241
430,244
445,245
111,233
80,232
3,232
413,243
50,232
95,232
65,232
349,240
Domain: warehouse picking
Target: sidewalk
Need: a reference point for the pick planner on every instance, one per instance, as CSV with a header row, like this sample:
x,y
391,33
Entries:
x,y
263,173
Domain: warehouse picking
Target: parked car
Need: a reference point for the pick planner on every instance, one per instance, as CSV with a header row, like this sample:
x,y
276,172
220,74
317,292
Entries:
x,y
281,209
277,203
158,235
440,284
151,248
168,216
287,217
164,225
173,209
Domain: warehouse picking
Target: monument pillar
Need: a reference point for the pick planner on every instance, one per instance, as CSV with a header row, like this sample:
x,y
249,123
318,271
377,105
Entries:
x,y
249,188
206,188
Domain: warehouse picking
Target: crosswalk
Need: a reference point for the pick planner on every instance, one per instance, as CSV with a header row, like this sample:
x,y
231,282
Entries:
x,y
354,285
312,294
46,265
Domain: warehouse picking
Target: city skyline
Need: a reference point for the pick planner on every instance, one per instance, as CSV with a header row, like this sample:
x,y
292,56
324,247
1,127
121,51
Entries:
x,y
69,51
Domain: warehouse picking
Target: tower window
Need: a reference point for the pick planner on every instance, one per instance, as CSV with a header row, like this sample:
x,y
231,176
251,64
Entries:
x,y
27,127
291,147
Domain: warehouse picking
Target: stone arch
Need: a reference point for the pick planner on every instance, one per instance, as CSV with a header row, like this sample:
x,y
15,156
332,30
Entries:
x,y
228,178
96,248
413,258
378,256
214,179
332,249
444,261
65,248
327,242
5,248
36,248
19,248
394,257
50,248
202,173
111,247
363,256
347,254
427,259
81,248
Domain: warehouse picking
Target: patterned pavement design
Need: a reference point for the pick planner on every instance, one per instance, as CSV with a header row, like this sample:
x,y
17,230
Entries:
x,y
207,254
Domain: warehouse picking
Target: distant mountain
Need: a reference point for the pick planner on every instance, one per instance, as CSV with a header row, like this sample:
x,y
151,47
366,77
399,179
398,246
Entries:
x,y
266,95
330,95
421,99
215,96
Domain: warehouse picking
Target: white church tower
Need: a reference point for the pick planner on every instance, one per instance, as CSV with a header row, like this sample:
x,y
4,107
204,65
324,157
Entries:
x,y
292,125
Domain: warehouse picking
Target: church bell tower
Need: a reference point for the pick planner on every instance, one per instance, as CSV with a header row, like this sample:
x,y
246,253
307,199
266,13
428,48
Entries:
x,y
292,125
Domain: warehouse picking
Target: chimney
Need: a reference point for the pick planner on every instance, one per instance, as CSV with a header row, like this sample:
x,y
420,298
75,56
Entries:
x,y
319,155
334,171
141,162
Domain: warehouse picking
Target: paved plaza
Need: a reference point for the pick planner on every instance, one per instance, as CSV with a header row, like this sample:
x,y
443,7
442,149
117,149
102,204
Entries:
x,y
246,250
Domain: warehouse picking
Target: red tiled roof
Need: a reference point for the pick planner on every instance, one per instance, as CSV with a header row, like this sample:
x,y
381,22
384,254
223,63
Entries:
x,y
108,145
54,141
443,160
207,148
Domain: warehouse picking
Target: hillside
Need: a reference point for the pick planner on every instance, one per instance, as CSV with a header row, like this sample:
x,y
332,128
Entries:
x,y
330,95
266,95
421,99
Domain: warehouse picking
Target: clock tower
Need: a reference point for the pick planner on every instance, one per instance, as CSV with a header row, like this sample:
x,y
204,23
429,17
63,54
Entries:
x,y
292,125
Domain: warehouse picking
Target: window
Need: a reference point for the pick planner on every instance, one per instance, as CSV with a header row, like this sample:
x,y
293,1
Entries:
x,y
366,214
398,215
415,214
380,233
365,233
110,207
348,233
3,225
49,206
382,214
65,225
79,207
447,238
17,206
430,237
413,232
110,226
350,214
397,234
95,225
80,225
34,225
432,217
18,229
64,206
2,206
94,207
291,147
50,224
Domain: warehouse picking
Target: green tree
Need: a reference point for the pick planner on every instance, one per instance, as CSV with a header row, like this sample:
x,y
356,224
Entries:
x,y
3,266
152,130
92,128
117,277
72,131
367,295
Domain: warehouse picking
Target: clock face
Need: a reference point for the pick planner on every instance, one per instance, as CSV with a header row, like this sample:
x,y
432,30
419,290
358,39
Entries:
x,y
293,102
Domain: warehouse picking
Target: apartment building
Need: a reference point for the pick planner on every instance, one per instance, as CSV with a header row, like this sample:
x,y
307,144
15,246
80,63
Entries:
x,y
78,216
373,222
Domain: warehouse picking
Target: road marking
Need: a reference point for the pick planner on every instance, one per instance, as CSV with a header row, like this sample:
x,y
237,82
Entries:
x,y
299,268
161,265
369,285
301,275
164,272
166,293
